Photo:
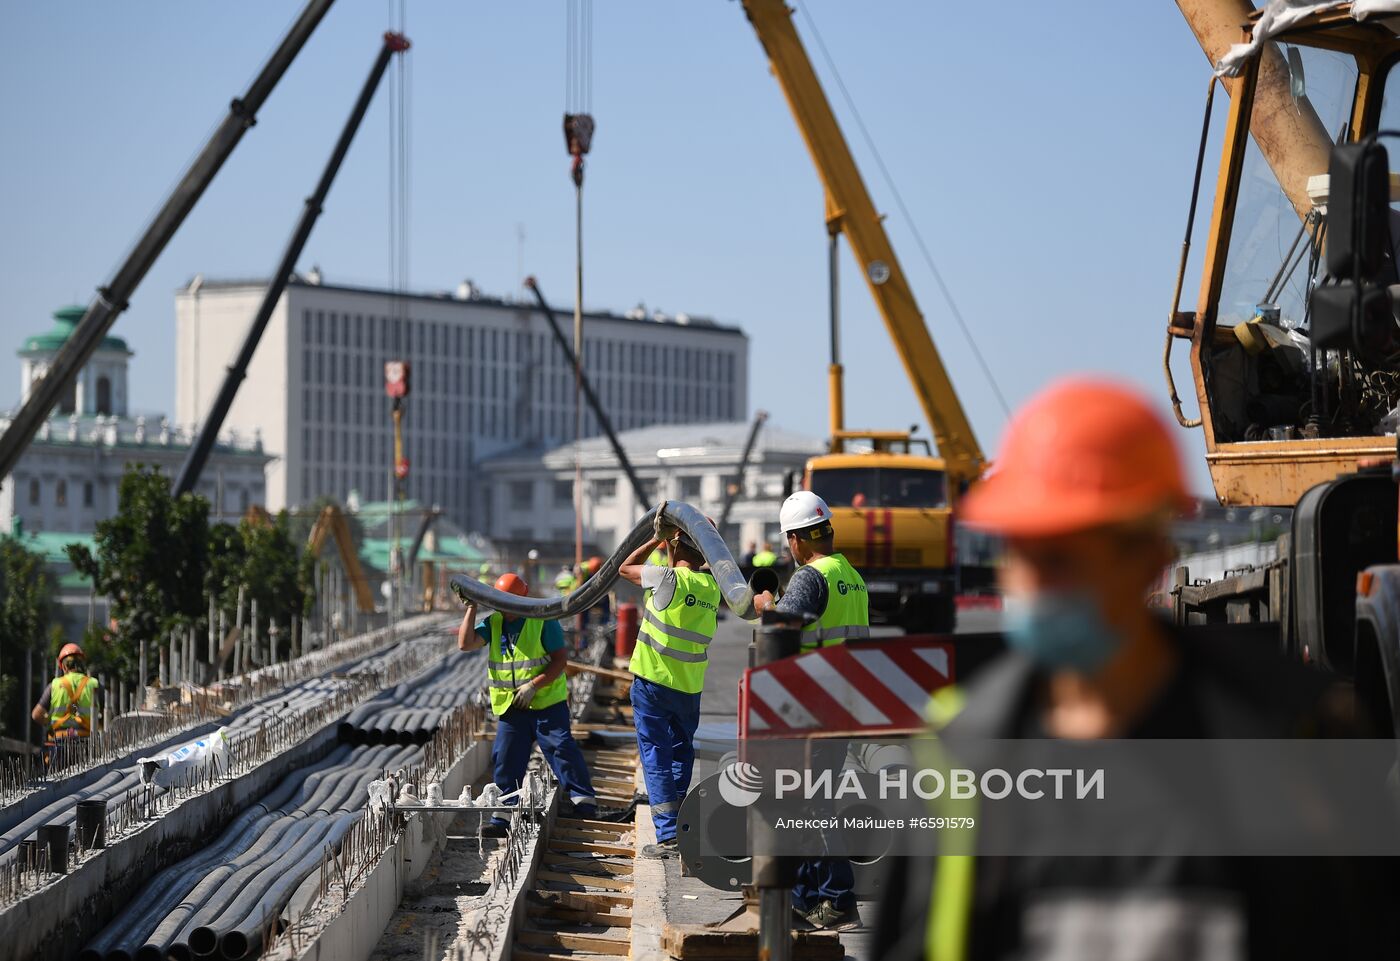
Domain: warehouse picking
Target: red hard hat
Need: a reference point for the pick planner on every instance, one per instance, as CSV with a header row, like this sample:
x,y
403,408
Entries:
x,y
512,584
70,650
594,563
1081,454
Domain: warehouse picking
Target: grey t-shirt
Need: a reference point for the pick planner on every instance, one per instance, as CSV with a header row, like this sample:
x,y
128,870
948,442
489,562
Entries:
x,y
806,594
661,581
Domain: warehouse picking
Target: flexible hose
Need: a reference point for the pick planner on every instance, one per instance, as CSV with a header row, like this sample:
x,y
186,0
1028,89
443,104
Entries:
x,y
737,594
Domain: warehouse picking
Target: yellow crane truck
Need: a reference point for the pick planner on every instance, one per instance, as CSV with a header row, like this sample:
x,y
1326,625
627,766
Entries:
x,y
892,506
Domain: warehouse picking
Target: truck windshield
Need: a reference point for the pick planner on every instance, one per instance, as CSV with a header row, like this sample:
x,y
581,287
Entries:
x,y
880,487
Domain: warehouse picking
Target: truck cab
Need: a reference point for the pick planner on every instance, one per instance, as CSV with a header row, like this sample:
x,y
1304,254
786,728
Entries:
x,y
892,511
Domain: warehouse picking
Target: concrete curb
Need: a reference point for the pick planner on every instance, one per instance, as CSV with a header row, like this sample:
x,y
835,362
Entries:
x,y
648,894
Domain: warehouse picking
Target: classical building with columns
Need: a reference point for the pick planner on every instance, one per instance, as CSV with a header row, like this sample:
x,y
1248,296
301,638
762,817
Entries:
x,y
68,477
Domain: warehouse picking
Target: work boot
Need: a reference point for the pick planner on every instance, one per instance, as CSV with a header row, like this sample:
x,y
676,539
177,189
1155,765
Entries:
x,y
661,849
828,916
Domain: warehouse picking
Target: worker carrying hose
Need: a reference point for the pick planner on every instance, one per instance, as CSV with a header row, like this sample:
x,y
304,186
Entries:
x,y
530,699
68,701
678,624
830,595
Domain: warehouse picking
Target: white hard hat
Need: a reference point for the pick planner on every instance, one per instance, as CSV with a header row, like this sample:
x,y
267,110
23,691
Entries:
x,y
803,510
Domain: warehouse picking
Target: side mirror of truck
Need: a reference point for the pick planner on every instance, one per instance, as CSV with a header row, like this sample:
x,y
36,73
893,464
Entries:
x,y
1358,211
1352,310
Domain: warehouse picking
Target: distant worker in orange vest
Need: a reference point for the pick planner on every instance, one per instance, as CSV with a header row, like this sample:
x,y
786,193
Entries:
x,y
68,701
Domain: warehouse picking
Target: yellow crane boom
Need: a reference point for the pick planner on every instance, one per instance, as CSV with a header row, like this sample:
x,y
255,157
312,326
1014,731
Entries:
x,y
851,210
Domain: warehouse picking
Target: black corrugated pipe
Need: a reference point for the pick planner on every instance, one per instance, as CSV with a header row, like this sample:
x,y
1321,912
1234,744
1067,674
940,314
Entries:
x,y
725,569
246,934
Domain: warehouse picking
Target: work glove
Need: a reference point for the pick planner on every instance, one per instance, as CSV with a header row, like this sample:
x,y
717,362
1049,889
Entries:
x,y
524,694
663,529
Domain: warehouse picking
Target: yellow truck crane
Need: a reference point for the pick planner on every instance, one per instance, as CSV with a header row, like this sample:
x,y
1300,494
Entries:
x,y
892,506
1294,339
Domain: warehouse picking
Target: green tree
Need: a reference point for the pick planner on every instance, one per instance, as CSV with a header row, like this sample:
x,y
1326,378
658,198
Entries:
x,y
151,560
26,611
273,569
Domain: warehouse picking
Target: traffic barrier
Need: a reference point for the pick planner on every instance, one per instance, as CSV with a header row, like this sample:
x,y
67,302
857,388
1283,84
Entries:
x,y
865,687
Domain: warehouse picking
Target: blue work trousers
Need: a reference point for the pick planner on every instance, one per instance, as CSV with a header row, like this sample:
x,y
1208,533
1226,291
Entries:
x,y
826,878
518,729
666,720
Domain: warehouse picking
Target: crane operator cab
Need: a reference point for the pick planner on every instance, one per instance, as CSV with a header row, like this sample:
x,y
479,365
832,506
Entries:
x,y
1295,339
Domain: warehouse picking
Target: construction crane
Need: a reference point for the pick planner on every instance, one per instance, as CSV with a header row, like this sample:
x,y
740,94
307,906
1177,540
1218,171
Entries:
x,y
331,523
892,507
1294,343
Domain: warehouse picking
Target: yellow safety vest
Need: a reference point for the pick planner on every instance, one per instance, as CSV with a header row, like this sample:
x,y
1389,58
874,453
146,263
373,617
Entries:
x,y
70,705
948,929
765,559
527,658
673,643
847,613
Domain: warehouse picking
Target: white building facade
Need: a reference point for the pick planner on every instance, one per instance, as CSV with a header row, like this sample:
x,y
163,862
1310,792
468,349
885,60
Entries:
x,y
68,477
530,490
486,377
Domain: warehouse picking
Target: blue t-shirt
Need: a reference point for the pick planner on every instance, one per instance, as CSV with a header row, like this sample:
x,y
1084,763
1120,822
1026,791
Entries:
x,y
551,636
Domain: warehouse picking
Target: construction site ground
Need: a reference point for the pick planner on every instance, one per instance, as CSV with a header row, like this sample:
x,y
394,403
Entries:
x,y
442,907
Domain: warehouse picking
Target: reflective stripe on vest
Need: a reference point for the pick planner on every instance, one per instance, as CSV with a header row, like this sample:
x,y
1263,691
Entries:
x,y
675,639
70,708
847,614
526,659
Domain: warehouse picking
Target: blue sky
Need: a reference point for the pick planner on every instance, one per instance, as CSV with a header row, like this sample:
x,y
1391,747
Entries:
x,y
1050,181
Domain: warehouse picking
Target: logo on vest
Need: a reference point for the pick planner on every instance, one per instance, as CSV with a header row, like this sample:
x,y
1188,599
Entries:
x,y
690,600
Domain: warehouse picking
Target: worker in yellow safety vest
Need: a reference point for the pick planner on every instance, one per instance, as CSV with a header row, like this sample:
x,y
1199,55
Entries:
x,y
564,581
830,594
67,704
526,658
764,556
1087,484
669,661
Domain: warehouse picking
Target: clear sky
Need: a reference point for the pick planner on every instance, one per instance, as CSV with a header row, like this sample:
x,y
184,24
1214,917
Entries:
x,y
1045,151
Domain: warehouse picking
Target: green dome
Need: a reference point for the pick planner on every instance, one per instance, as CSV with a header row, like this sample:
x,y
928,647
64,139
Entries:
x,y
65,319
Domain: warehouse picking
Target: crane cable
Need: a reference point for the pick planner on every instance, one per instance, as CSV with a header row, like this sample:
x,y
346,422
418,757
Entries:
x,y
400,204
904,212
578,137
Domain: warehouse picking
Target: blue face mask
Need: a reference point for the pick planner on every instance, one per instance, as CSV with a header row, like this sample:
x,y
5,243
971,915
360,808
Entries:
x,y
1059,631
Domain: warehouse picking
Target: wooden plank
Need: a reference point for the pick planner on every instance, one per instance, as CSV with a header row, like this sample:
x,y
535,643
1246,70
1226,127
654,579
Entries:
x,y
588,866
576,667
594,827
604,897
585,880
546,914
598,944
577,901
614,850
696,943
584,727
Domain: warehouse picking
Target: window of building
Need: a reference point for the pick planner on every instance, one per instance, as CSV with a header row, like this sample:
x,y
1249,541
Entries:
x,y
689,487
68,401
522,495
104,395
60,494
87,493
563,493
604,489
34,493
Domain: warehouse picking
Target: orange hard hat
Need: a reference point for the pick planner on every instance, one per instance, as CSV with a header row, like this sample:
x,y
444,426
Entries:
x,y
70,650
512,583
1081,454
594,563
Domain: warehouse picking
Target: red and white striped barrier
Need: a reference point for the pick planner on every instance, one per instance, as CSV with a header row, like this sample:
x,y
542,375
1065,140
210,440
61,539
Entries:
x,y
867,687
